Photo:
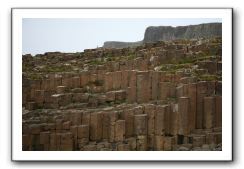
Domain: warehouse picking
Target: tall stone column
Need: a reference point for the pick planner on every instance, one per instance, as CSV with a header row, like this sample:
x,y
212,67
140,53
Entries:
x,y
108,84
106,125
128,116
84,78
209,112
167,119
75,82
131,89
150,111
143,86
192,94
124,79
159,120
164,90
120,130
184,103
67,80
218,111
140,124
201,93
82,135
141,143
116,80
174,119
154,84
96,126
76,117
113,116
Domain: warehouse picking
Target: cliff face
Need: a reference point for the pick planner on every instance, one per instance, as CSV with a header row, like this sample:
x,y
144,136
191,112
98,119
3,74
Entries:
x,y
166,33
162,96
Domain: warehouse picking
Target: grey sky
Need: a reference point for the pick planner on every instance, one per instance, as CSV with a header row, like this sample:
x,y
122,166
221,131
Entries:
x,y
75,35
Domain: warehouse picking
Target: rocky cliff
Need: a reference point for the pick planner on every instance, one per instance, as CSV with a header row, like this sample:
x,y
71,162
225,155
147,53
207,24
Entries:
x,y
166,33
162,96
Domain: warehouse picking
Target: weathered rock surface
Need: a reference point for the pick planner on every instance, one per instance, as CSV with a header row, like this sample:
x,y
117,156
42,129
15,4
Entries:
x,y
162,96
166,33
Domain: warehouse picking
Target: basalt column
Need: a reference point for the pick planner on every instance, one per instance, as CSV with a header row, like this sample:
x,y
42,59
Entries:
x,y
131,90
192,94
140,126
201,93
184,103
143,87
218,111
154,84
209,112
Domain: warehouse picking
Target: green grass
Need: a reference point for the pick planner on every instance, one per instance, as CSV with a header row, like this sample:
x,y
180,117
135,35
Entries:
x,y
208,77
174,67
171,99
120,101
96,62
131,57
27,68
57,68
187,60
197,58
111,57
35,76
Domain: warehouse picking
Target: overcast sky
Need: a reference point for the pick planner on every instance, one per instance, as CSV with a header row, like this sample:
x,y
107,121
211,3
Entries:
x,y
75,35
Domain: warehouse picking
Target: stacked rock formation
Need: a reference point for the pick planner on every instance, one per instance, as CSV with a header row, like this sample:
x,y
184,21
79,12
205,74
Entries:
x,y
157,96
166,33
